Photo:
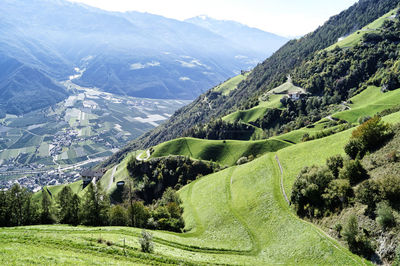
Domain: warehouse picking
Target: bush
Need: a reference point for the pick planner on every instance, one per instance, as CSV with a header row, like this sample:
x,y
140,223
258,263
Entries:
x,y
354,172
368,193
146,242
335,163
397,257
354,148
385,217
358,242
372,133
118,216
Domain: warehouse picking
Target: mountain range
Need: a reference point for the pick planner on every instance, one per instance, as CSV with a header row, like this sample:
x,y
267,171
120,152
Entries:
x,y
131,53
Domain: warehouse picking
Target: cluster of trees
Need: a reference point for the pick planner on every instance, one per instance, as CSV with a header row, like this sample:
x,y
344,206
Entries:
x,y
18,208
154,176
319,191
219,130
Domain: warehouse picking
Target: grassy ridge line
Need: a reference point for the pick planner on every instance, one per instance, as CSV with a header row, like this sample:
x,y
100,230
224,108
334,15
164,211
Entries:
x,y
224,152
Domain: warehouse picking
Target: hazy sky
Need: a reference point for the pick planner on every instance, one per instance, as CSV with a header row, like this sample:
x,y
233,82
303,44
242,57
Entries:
x,y
284,17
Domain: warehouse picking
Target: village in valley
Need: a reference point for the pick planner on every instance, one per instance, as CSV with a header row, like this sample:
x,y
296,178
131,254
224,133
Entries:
x,y
54,145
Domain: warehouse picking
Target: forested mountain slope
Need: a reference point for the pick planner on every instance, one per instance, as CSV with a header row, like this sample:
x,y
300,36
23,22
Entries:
x,y
271,73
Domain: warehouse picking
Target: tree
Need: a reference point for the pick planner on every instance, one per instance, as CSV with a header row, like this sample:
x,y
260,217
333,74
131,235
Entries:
x,y
46,215
338,192
350,231
354,172
118,216
368,193
354,148
385,217
138,214
372,133
146,242
64,201
75,209
95,206
390,189
335,163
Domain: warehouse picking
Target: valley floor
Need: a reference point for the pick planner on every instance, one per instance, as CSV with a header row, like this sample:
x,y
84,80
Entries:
x,y
236,216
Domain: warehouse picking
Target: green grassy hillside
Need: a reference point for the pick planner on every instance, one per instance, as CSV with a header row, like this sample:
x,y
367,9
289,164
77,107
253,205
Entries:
x,y
219,151
369,102
231,84
256,112
236,216
356,37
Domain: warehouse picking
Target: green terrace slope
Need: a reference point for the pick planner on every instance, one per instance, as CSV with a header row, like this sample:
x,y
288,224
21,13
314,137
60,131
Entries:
x,y
224,152
356,37
236,216
315,152
369,102
231,84
256,112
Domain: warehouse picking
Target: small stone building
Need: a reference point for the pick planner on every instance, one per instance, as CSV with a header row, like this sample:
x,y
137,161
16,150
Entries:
x,y
89,175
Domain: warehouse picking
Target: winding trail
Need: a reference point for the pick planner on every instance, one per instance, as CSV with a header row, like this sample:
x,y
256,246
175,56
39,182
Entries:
x,y
282,186
318,230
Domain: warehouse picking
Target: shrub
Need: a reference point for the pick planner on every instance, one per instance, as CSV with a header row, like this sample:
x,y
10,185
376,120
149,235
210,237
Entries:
x,y
385,217
354,172
335,163
353,148
358,242
397,257
338,228
371,133
146,242
368,193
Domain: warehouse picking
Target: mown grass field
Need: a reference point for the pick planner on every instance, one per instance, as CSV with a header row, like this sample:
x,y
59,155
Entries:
x,y
223,152
236,216
256,112
369,102
231,84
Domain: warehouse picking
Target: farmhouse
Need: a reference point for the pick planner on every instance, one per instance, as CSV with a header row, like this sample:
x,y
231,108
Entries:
x,y
295,95
92,175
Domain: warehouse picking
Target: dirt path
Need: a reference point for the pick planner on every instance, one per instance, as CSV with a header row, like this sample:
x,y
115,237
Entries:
x,y
111,181
282,186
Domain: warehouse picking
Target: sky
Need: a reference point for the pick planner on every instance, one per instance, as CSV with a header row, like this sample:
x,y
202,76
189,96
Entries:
x,y
288,18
